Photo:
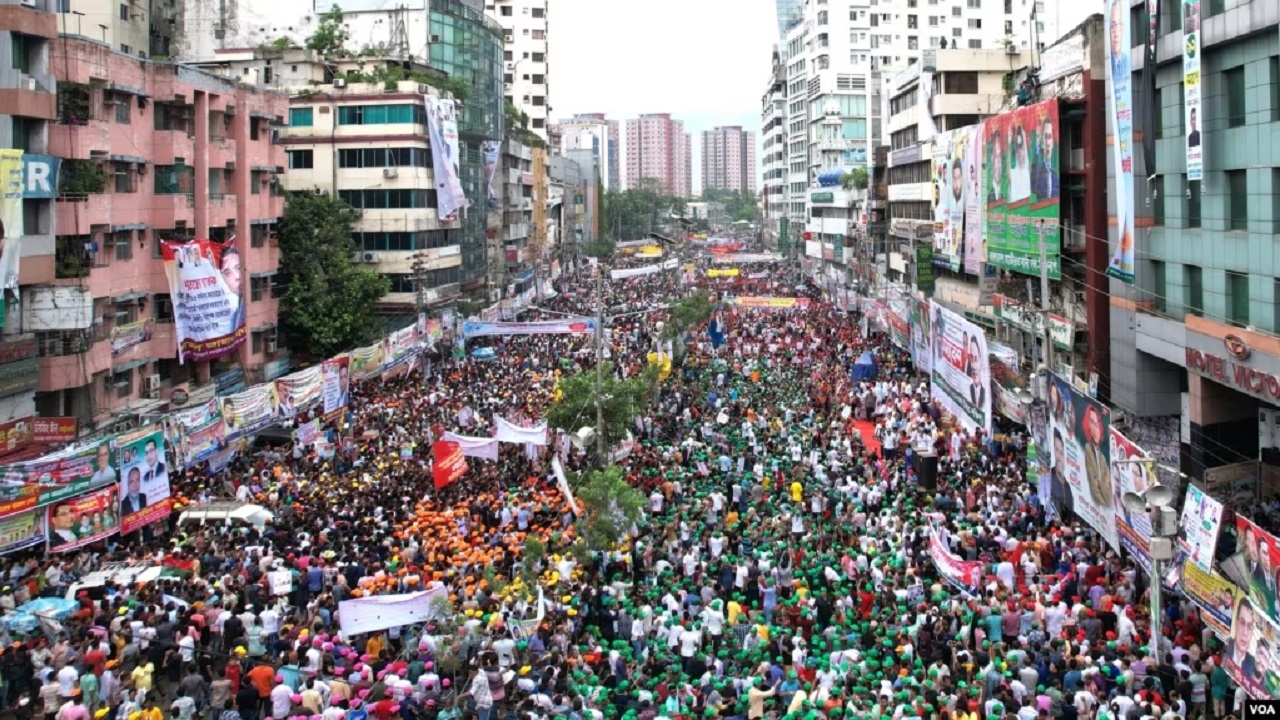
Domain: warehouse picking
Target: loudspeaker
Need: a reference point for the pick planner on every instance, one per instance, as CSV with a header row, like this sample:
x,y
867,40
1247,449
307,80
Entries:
x,y
926,467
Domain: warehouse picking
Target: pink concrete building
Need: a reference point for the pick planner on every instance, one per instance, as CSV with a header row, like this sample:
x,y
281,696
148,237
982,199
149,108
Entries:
x,y
151,151
658,148
729,159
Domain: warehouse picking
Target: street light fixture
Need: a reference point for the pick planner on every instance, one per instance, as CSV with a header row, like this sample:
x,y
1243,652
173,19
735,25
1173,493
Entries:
x,y
1157,502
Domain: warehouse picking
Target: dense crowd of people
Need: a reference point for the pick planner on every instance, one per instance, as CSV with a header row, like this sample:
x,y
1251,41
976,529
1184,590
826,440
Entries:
x,y
783,567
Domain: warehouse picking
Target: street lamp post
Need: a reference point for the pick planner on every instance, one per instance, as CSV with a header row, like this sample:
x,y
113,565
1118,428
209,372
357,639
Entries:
x,y
1157,501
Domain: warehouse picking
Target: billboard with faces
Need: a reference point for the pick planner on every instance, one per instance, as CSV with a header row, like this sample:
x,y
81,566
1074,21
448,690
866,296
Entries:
x,y
1021,189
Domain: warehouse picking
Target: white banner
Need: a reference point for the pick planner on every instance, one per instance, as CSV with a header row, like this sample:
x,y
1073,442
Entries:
x,y
746,258
623,273
442,126
1198,531
383,612
570,326
563,483
961,368
477,447
205,281
508,432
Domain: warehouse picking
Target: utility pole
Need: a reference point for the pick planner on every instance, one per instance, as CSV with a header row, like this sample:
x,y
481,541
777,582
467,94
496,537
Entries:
x,y
601,446
1044,298
419,268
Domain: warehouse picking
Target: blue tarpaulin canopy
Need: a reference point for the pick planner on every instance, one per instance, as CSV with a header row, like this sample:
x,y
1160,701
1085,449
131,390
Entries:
x,y
865,368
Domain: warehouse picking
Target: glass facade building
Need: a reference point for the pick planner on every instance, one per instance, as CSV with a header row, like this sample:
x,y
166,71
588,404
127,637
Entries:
x,y
790,12
468,45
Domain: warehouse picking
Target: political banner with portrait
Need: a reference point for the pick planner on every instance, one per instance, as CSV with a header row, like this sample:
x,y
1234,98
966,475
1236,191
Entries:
x,y
144,478
1199,527
197,433
961,368
401,348
1080,458
84,519
1120,129
1215,595
1134,529
128,335
298,392
1022,190
23,530
949,184
961,572
1191,88
35,483
1261,560
366,362
336,384
208,309
249,411
921,335
1251,657
974,248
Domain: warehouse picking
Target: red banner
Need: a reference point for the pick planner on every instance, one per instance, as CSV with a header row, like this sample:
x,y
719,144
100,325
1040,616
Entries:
x,y
18,435
966,573
449,463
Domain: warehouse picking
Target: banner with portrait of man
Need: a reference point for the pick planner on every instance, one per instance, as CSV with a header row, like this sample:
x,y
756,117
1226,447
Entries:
x,y
1080,459
961,368
144,478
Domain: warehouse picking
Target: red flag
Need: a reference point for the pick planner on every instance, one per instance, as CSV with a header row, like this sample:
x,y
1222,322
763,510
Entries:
x,y
448,463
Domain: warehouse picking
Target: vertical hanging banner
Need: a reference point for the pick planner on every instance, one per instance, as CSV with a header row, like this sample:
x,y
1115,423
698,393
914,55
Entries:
x,y
1198,530
144,479
1023,189
12,215
197,433
961,368
1080,458
208,310
1131,477
973,206
85,519
1120,127
337,385
1191,87
448,463
442,126
401,349
949,198
489,149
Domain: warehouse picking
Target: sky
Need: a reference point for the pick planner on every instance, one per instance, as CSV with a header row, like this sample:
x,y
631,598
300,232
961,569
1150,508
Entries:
x,y
706,62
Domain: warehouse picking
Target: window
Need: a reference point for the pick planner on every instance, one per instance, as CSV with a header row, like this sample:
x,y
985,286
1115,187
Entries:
x,y
120,102
122,244
1275,199
301,117
955,11
1238,298
975,3
384,157
539,100
1159,284
975,23
123,173
1157,199
381,114
404,241
1233,79
539,79
121,383
388,199
539,57
538,123
539,12
253,128
124,11
1195,290
1274,85
255,343
1237,200
955,32
301,159
257,235
1139,26
23,45
975,44
164,308
506,11
257,288
1192,213
539,34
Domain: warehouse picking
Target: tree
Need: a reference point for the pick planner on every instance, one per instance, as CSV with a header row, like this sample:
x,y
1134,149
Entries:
x,y
328,301
610,508
621,401
690,312
331,36
855,179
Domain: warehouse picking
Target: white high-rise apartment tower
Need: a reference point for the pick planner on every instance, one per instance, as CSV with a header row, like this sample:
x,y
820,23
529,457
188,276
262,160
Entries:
x,y
899,33
525,58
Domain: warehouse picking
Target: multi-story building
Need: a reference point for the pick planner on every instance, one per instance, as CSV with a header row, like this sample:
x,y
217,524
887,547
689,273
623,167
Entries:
x,y
525,59
659,149
1196,336
790,12
514,183
729,159
566,192
28,106
151,151
596,132
797,130
142,28
587,202
774,148
899,35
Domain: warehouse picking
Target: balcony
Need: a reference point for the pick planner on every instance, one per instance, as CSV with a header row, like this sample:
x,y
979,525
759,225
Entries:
x,y
170,144
172,209
77,214
70,359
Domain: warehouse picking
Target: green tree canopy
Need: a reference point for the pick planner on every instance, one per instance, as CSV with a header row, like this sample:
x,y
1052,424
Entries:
x,y
328,301
622,400
690,312
610,507
739,205
634,213
855,179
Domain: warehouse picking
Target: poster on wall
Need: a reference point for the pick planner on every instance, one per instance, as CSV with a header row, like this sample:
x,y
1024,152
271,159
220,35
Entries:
x,y
1250,658
1199,527
973,205
299,392
442,126
1080,458
1191,88
489,149
949,183
1127,476
35,483
249,411
197,433
24,530
208,309
1120,127
144,479
337,385
1021,189
961,368
85,519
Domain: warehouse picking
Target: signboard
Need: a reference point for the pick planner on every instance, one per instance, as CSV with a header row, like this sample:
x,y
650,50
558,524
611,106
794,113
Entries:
x,y
1021,189
1120,128
84,520
822,197
1216,596
1080,458
1015,313
197,433
1199,527
249,411
208,309
298,392
22,531
1191,87
36,483
770,302
924,267
336,385
18,435
19,377
961,368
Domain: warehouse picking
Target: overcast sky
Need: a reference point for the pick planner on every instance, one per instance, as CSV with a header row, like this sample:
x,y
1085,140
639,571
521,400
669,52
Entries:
x,y
704,61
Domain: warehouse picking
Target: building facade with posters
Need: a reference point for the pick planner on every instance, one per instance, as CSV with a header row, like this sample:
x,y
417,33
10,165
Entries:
x,y
150,152
1194,320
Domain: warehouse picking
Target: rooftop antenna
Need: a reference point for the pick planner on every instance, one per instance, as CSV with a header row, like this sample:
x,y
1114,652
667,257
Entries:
x,y
399,46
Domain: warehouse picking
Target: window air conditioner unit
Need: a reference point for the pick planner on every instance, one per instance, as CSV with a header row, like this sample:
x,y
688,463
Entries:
x,y
370,257
339,82
390,172
1011,49
151,385
269,345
